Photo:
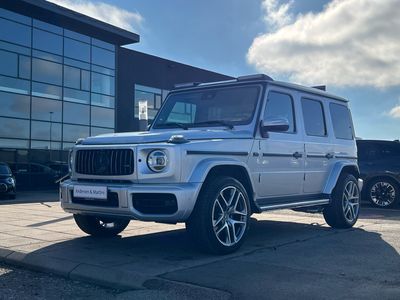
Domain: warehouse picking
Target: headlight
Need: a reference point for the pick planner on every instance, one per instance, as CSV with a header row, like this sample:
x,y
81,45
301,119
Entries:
x,y
157,160
11,180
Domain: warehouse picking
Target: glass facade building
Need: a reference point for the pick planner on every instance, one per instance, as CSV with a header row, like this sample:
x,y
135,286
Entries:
x,y
56,85
65,76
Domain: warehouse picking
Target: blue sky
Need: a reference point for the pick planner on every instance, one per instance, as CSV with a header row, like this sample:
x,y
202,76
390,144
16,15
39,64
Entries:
x,y
349,45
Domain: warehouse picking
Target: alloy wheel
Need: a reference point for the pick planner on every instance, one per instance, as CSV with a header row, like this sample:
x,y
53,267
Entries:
x,y
229,216
383,194
351,201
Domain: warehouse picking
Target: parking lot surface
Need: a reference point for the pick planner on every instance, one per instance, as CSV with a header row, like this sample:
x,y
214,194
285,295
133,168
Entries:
x,y
287,254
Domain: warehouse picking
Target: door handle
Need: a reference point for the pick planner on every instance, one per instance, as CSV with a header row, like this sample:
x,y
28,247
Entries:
x,y
297,155
329,156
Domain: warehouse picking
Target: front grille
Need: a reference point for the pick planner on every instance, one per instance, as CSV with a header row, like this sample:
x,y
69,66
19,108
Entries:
x,y
104,162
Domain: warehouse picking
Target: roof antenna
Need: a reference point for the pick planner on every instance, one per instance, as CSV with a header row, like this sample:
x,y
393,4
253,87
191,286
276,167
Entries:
x,y
320,87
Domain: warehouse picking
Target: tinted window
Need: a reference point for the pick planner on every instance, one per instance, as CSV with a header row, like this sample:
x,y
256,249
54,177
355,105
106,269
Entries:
x,y
77,50
8,63
102,117
41,131
43,108
76,96
47,41
14,128
24,67
98,130
14,105
46,90
103,57
103,84
14,85
76,36
314,119
47,26
280,106
73,132
102,100
76,113
341,120
72,77
15,32
46,71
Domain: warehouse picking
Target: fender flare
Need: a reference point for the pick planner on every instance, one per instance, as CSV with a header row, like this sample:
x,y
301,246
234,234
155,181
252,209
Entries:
x,y
335,173
203,168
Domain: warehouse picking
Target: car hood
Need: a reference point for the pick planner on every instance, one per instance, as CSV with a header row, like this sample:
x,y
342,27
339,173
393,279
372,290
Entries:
x,y
163,136
5,176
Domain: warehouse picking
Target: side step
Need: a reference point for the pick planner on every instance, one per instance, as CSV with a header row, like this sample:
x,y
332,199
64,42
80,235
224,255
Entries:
x,y
295,204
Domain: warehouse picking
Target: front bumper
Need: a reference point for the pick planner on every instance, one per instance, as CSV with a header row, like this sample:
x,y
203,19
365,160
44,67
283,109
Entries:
x,y
185,193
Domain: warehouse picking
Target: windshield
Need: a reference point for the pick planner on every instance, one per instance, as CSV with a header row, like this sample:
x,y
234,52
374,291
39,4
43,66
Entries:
x,y
4,170
226,106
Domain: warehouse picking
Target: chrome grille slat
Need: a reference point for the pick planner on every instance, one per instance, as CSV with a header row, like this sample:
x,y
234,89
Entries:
x,y
104,162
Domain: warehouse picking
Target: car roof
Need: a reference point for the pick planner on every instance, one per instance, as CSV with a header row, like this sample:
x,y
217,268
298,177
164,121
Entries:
x,y
258,78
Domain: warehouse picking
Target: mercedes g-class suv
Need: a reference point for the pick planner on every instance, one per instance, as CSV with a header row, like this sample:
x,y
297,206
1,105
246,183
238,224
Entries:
x,y
215,154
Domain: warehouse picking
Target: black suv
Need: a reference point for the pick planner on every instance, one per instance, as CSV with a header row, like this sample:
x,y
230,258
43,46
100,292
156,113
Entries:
x,y
379,163
7,181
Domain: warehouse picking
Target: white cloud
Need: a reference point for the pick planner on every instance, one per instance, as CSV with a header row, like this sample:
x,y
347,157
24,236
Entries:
x,y
395,112
277,15
350,42
114,15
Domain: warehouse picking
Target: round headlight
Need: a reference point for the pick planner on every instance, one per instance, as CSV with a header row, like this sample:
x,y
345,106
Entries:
x,y
11,180
157,160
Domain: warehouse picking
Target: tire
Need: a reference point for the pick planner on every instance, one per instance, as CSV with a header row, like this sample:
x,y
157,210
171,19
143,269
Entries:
x,y
220,220
383,192
100,226
344,209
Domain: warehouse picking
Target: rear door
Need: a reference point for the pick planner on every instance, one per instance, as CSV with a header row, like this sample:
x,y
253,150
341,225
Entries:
x,y
318,144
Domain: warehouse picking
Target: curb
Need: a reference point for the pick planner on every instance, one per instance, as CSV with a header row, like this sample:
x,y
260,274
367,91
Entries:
x,y
107,277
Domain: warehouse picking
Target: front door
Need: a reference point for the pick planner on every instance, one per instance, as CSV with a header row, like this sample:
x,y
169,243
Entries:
x,y
280,160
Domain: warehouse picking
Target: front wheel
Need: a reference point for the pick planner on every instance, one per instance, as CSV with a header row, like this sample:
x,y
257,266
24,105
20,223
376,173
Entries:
x,y
344,209
100,226
220,220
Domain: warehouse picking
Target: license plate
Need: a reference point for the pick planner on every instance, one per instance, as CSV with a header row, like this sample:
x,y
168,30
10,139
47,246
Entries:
x,y
90,192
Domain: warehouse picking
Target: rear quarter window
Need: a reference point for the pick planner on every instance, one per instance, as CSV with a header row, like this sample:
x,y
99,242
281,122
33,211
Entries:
x,y
341,121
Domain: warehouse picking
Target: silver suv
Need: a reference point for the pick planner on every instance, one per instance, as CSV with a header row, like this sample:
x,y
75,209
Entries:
x,y
217,153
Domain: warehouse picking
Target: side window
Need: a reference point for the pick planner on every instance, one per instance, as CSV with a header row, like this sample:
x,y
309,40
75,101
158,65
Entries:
x,y
314,119
341,120
280,105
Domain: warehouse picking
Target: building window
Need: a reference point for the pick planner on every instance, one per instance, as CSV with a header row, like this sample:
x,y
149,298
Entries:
x,y
153,96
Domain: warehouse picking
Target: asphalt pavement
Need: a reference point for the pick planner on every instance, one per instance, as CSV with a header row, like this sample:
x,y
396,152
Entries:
x,y
287,255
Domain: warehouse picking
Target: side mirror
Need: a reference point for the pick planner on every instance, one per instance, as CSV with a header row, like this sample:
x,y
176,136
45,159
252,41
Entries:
x,y
273,125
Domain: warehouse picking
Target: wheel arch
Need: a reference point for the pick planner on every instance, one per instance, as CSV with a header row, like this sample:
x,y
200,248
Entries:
x,y
234,169
338,169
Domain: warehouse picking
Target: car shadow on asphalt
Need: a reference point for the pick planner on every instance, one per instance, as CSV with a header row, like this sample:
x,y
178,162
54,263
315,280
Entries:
x,y
170,251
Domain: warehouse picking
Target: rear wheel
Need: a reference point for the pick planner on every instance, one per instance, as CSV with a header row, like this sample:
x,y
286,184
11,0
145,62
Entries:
x,y
100,226
344,209
220,220
383,192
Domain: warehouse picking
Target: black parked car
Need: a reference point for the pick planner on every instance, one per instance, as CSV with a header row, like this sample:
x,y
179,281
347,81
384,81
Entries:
x,y
7,181
379,163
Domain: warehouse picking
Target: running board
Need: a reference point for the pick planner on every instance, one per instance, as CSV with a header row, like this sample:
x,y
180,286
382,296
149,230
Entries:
x,y
295,204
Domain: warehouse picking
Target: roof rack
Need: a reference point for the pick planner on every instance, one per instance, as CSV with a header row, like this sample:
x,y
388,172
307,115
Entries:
x,y
186,85
254,77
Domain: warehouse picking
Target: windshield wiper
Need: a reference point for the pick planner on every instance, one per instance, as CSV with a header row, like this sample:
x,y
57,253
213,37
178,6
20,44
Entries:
x,y
214,122
174,124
